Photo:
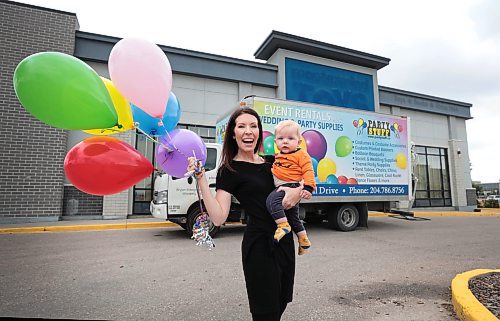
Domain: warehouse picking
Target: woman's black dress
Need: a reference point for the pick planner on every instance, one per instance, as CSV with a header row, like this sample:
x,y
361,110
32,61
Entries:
x,y
269,268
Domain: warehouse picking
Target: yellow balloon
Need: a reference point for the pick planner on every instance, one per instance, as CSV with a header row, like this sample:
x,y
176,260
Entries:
x,y
396,126
326,167
302,145
401,160
360,122
123,111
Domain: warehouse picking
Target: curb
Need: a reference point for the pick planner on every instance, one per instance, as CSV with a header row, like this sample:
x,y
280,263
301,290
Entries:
x,y
470,214
465,304
87,227
125,226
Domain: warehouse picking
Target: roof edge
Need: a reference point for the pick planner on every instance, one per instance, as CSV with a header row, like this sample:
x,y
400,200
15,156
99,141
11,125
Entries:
x,y
26,5
418,95
186,52
278,39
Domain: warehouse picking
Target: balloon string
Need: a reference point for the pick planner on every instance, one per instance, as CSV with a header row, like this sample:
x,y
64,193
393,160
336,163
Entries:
x,y
110,129
199,196
170,148
151,138
170,140
166,131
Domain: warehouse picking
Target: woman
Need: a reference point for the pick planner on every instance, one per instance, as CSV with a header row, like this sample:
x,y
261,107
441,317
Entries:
x,y
269,267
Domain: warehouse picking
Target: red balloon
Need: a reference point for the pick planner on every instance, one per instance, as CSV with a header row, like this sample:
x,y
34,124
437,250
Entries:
x,y
105,166
352,181
342,179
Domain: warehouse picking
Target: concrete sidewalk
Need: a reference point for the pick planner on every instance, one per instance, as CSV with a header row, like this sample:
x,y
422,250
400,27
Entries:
x,y
151,222
85,225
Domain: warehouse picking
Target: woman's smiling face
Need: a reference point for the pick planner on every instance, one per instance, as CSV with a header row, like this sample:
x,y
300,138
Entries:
x,y
246,133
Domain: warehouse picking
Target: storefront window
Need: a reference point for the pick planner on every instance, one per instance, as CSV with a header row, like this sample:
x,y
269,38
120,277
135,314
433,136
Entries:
x,y
144,189
433,187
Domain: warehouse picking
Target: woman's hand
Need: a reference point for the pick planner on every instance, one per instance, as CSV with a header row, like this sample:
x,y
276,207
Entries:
x,y
305,194
292,196
195,166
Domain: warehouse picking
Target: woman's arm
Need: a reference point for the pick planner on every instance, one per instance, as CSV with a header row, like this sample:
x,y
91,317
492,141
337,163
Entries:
x,y
292,196
218,206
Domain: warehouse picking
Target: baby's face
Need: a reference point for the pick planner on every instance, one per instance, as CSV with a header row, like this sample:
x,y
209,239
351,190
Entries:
x,y
287,139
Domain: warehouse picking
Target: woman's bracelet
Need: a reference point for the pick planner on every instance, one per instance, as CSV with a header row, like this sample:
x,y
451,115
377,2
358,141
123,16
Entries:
x,y
199,174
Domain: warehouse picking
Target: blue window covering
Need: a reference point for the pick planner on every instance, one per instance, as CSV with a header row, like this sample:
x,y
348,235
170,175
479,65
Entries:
x,y
315,83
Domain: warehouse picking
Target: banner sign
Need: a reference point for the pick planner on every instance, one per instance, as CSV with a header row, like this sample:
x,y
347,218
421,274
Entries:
x,y
354,152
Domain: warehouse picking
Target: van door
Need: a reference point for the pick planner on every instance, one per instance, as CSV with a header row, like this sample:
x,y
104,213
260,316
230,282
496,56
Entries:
x,y
182,191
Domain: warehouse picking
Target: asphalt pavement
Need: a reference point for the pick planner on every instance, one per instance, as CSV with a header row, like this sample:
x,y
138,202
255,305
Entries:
x,y
148,269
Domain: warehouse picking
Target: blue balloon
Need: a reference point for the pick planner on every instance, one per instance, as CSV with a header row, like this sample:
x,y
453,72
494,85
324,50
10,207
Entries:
x,y
315,165
151,125
332,179
172,113
147,123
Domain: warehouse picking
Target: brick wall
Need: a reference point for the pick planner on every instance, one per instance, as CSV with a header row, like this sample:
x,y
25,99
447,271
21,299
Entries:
x,y
32,153
117,205
77,203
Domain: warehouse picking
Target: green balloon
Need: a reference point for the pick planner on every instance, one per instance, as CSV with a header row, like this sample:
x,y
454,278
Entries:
x,y
64,92
268,144
343,146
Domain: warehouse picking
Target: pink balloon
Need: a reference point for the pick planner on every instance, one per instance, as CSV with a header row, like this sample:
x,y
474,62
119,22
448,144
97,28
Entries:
x,y
142,73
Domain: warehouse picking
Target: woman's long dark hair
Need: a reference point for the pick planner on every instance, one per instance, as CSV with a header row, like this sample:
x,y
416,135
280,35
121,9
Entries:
x,y
230,147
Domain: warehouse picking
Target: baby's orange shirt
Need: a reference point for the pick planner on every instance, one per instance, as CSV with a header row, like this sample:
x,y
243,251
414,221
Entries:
x,y
293,167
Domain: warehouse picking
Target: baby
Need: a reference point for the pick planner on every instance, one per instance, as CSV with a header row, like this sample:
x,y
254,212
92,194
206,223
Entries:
x,y
291,166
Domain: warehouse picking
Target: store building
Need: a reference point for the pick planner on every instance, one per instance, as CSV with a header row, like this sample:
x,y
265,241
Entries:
x,y
33,186
488,189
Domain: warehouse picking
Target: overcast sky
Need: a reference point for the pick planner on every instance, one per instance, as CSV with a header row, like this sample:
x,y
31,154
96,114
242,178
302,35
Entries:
x,y
443,48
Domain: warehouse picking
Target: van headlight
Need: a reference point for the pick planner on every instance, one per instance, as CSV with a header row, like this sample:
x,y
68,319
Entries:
x,y
160,197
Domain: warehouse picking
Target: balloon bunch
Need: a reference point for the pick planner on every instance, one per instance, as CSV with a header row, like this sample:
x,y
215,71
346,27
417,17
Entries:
x,y
64,92
360,124
396,128
142,72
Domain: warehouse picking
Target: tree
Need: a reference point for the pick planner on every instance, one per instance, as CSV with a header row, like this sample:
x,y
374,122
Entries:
x,y
478,187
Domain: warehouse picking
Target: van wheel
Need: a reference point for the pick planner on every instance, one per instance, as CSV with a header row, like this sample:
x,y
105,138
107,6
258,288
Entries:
x,y
192,215
344,218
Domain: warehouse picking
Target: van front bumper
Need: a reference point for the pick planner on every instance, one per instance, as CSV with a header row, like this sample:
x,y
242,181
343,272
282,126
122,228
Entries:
x,y
158,210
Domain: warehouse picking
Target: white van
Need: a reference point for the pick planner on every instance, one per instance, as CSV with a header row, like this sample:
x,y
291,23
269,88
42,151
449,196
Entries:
x,y
176,200
373,163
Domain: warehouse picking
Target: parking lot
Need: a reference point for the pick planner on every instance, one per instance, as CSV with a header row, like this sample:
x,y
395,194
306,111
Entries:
x,y
394,270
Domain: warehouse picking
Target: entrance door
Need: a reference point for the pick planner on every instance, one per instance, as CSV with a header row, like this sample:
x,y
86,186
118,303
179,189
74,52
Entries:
x,y
143,190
